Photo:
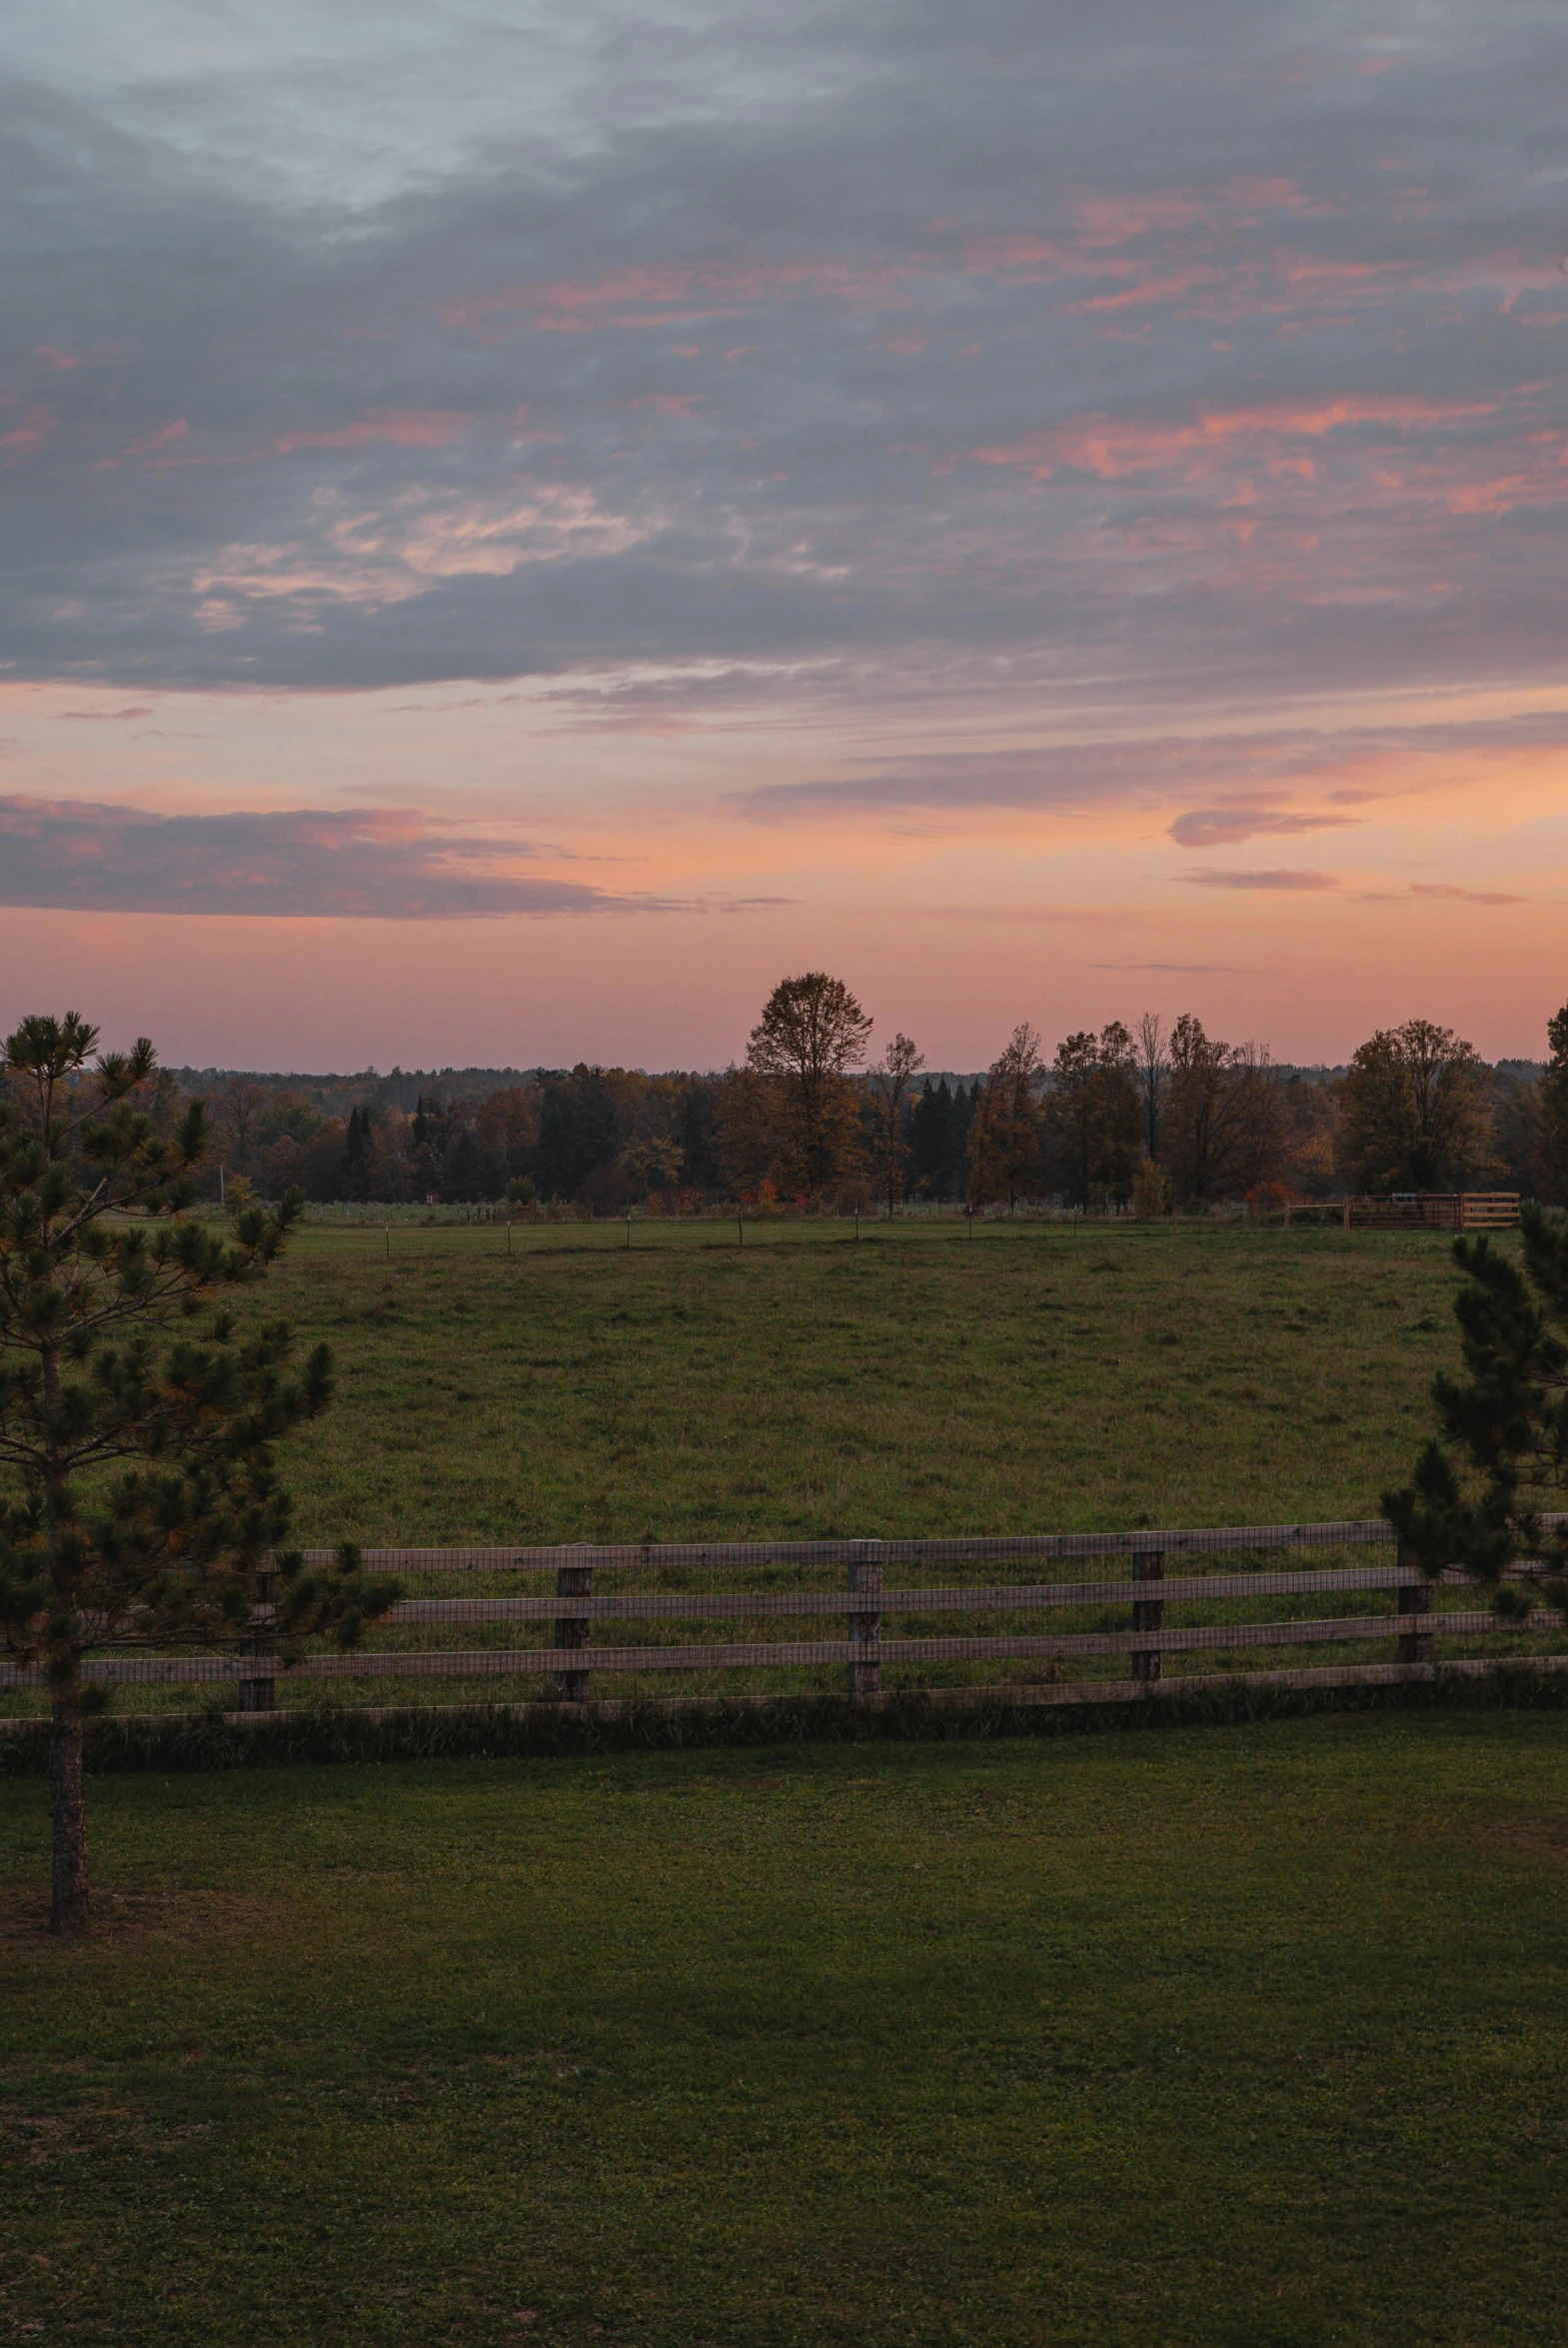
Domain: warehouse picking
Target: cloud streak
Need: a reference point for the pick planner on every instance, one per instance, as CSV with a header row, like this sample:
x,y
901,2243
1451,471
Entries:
x,y
371,864
1308,883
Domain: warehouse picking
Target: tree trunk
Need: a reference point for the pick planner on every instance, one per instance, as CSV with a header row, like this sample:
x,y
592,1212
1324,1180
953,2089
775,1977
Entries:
x,y
68,1910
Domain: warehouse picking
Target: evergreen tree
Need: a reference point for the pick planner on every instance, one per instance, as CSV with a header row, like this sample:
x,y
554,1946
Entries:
x,y
139,1499
929,1140
1500,1459
355,1152
696,1134
578,1131
961,1121
462,1169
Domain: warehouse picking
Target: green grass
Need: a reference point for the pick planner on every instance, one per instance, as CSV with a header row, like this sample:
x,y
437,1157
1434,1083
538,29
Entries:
x,y
1253,2036
1032,1378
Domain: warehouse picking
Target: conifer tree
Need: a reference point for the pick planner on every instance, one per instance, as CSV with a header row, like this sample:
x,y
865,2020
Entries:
x,y
929,1138
139,1499
1499,1462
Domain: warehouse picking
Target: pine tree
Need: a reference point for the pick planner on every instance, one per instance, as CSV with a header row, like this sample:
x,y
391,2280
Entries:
x,y
960,1121
139,1499
928,1139
1500,1459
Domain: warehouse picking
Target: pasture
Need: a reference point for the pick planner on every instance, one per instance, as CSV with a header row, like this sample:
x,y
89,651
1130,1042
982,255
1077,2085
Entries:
x,y
1036,1377
1251,2036
917,1380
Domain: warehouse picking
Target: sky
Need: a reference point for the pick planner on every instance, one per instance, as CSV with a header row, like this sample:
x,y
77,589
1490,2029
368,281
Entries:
x,y
521,524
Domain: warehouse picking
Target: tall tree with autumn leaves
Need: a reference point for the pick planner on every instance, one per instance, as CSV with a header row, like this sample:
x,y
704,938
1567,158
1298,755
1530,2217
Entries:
x,y
811,1034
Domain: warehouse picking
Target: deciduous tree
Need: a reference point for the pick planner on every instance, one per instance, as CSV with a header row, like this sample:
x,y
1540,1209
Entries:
x,y
1004,1134
891,1081
1092,1121
139,1497
1551,1114
1153,1067
1416,1113
1222,1129
812,1031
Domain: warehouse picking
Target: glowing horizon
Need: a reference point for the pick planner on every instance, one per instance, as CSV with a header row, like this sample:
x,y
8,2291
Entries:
x,y
511,558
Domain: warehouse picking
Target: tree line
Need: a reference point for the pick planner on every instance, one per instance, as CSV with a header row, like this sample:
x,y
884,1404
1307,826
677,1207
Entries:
x,y
1146,1118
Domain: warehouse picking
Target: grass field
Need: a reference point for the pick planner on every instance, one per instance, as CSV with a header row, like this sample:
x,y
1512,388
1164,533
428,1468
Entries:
x,y
1252,2035
1031,1378
1255,2038
1036,1377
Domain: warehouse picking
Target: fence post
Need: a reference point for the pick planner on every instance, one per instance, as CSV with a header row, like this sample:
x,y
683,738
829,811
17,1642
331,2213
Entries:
x,y
1415,1598
258,1690
865,1624
571,1630
1147,1613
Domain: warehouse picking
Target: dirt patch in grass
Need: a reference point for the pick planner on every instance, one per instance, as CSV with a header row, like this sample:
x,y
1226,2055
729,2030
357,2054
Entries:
x,y
119,1917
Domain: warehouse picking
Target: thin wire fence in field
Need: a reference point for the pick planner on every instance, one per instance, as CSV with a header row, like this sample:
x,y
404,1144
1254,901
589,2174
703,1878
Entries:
x,y
1047,1618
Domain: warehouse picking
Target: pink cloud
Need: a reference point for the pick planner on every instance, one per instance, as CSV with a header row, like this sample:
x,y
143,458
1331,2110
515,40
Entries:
x,y
162,438
668,403
1114,447
417,428
29,433
644,296
49,355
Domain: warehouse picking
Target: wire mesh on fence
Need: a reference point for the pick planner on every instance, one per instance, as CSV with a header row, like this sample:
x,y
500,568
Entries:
x,y
953,1619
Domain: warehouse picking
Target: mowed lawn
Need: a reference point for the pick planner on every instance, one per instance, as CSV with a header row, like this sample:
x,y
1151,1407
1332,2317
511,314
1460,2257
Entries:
x,y
1246,2035
1032,1378
1255,2036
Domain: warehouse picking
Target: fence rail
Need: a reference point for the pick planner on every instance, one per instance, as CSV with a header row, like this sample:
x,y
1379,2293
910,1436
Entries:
x,y
576,1614
1435,1211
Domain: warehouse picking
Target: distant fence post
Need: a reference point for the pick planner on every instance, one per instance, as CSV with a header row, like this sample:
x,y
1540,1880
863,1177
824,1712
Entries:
x,y
258,1690
865,1624
1415,1598
1147,1613
571,1630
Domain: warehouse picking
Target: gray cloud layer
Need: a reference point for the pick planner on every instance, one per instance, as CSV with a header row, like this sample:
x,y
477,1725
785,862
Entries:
x,y
1221,343
370,866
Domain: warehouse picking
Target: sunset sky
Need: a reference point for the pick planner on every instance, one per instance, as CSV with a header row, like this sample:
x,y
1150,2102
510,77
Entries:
x,y
523,524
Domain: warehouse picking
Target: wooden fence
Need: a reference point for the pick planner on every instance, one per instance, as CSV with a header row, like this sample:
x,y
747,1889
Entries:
x,y
1434,1211
1140,1619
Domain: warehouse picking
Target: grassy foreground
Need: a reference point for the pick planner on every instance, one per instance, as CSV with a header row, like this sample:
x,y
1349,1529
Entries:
x,y
1247,2037
1032,1378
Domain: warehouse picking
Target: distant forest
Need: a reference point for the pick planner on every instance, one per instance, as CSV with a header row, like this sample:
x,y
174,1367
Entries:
x,y
1151,1118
